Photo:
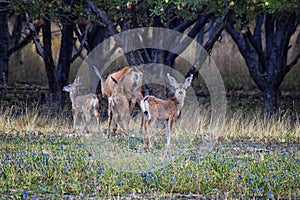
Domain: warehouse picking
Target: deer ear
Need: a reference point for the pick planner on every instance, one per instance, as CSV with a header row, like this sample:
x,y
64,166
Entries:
x,y
102,79
114,80
172,80
188,81
77,81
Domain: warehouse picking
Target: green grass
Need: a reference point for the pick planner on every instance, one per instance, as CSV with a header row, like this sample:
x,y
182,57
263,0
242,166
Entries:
x,y
253,157
56,167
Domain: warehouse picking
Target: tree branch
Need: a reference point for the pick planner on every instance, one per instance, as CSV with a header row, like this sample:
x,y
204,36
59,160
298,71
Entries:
x,y
183,26
210,43
21,44
17,30
182,46
217,31
257,48
257,30
82,41
294,62
244,50
37,43
104,18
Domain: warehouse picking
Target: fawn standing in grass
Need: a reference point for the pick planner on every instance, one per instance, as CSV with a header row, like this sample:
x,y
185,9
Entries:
x,y
129,86
154,109
118,108
82,103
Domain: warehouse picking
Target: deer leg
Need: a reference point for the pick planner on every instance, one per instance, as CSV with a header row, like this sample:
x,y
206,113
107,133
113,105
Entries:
x,y
168,128
144,130
97,115
149,133
132,106
87,115
126,119
75,114
110,116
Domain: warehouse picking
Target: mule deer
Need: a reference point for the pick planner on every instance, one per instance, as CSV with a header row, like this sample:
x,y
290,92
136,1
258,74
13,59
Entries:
x,y
131,84
125,84
118,108
154,108
82,103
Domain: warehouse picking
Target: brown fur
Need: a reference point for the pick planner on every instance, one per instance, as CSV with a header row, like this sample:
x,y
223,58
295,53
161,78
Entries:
x,y
82,104
163,109
109,84
129,88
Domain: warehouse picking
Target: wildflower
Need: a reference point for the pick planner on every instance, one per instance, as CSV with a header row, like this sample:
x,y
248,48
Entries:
x,y
25,194
100,170
193,158
274,176
270,192
53,168
119,182
239,177
171,179
65,170
259,187
53,138
233,165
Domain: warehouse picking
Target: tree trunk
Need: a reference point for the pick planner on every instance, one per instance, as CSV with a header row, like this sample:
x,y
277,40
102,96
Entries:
x,y
267,65
64,61
271,100
4,45
50,66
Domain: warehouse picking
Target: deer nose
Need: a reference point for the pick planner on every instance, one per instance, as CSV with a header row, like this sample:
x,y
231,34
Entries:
x,y
180,92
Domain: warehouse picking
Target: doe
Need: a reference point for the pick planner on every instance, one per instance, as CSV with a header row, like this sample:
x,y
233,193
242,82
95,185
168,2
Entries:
x,y
82,103
154,108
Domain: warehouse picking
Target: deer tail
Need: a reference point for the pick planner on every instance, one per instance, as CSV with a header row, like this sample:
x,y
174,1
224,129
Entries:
x,y
94,101
145,108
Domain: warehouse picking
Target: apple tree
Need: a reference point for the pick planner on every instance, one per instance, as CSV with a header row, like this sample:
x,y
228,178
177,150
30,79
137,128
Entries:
x,y
262,30
39,15
11,40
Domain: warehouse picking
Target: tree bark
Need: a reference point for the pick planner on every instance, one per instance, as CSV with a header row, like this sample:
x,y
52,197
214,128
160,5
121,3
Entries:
x,y
4,44
64,61
267,66
271,99
50,66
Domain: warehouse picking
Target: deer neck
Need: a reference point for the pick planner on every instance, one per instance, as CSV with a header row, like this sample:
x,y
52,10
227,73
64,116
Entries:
x,y
73,96
179,102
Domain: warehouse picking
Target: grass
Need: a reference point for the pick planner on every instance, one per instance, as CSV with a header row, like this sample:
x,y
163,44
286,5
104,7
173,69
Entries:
x,y
253,157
